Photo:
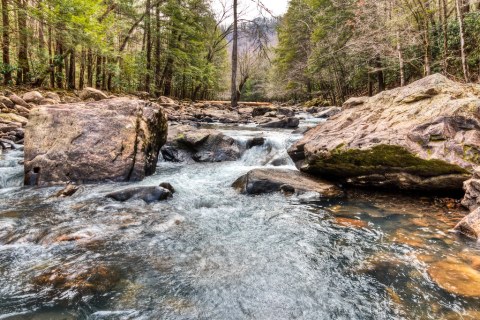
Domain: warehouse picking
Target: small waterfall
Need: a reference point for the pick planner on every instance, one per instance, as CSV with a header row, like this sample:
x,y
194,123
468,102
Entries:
x,y
11,169
273,150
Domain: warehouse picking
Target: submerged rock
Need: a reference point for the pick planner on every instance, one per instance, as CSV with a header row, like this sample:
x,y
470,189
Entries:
x,y
425,136
84,280
260,181
147,194
116,140
456,277
349,222
68,191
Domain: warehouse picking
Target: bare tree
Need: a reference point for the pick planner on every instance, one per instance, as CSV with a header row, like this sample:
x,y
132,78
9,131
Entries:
x,y
7,76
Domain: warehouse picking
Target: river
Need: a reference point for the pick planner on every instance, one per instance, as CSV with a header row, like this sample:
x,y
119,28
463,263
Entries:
x,y
212,253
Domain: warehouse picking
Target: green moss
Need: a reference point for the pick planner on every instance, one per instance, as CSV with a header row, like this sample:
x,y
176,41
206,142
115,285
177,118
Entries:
x,y
471,154
379,160
317,102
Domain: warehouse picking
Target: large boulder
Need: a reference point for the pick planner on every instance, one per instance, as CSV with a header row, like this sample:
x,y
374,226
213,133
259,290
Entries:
x,y
92,93
259,181
424,136
117,140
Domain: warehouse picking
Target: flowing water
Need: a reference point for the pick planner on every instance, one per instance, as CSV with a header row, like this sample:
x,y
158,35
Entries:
x,y
211,253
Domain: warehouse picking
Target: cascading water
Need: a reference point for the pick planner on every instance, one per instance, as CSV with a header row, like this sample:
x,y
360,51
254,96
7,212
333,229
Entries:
x,y
212,253
11,172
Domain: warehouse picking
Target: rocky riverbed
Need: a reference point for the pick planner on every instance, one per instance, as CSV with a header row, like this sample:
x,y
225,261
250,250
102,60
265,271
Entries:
x,y
226,227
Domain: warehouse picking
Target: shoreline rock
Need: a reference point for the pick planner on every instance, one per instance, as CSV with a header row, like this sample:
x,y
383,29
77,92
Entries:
x,y
425,136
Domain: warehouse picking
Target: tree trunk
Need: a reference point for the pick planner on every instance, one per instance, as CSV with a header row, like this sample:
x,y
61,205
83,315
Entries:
x,y
240,87
234,55
41,29
379,72
104,73
401,62
7,77
462,40
50,58
148,39
195,92
81,81
98,72
426,43
370,85
157,51
59,73
90,68
23,66
71,71
445,36
109,77
167,76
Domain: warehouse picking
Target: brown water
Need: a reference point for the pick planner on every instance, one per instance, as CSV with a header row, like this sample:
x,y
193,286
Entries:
x,y
211,253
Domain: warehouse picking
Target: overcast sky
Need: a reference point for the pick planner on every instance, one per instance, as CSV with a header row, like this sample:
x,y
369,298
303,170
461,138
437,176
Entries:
x,y
250,9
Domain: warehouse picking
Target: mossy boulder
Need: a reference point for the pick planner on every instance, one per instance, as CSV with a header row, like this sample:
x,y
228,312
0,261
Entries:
x,y
425,136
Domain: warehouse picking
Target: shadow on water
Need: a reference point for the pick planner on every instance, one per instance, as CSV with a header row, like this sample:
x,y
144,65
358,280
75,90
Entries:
x,y
211,253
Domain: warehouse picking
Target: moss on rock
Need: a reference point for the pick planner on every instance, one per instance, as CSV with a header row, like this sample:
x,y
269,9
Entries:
x,y
379,160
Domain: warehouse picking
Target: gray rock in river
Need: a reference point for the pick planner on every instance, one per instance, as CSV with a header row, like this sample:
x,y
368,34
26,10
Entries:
x,y
260,181
115,140
202,145
288,123
147,194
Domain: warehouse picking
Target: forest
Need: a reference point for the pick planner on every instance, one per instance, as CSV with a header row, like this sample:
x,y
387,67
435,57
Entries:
x,y
326,49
